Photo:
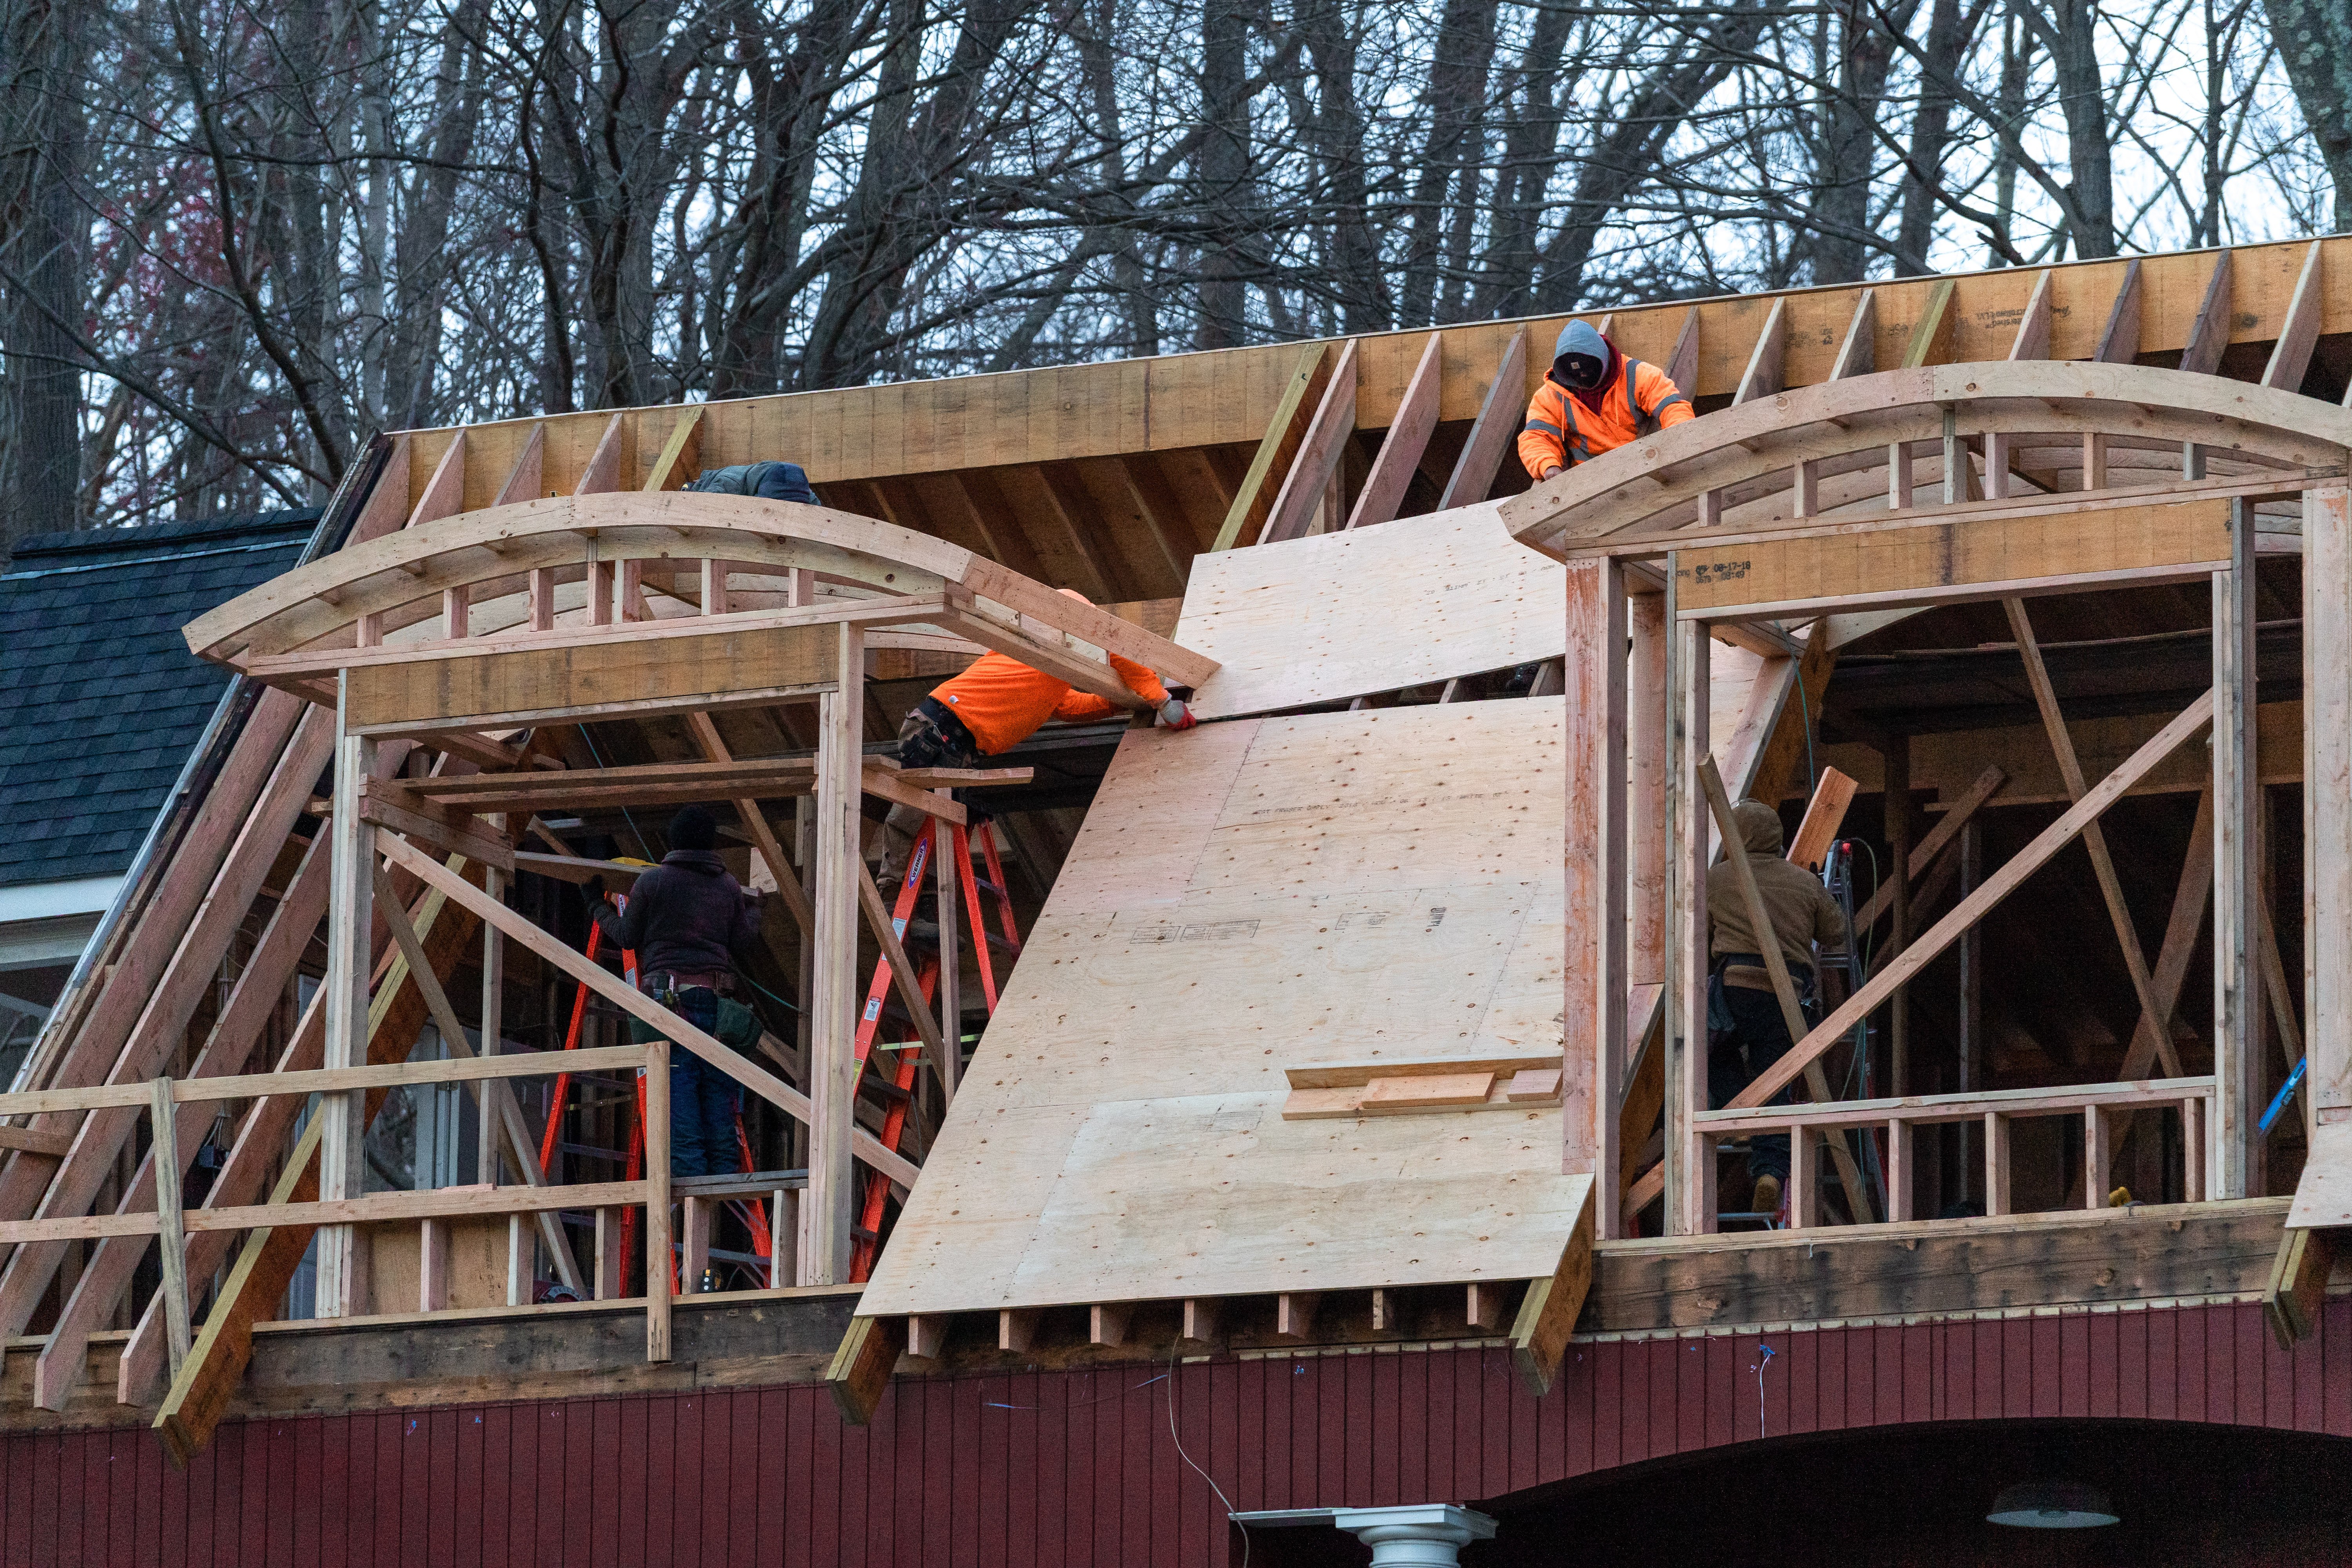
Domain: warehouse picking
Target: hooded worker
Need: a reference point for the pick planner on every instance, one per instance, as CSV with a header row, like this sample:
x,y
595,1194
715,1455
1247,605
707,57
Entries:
x,y
1746,1030
690,924
994,706
1594,400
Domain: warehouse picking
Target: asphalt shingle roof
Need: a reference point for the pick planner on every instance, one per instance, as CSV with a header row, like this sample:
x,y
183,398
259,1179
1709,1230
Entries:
x,y
100,698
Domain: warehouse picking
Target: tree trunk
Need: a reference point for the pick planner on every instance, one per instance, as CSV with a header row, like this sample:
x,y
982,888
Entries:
x,y
2314,41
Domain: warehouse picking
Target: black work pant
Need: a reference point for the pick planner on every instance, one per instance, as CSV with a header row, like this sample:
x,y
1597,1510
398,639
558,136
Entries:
x,y
1759,1038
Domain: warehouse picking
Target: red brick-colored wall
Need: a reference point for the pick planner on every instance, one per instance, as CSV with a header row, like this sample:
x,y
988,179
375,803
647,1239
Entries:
x,y
1081,1467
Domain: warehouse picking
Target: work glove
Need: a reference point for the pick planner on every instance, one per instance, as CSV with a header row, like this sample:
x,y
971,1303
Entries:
x,y
1175,715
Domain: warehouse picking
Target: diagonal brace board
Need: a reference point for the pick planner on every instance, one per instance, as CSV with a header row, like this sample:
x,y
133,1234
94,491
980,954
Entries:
x,y
464,894
1971,910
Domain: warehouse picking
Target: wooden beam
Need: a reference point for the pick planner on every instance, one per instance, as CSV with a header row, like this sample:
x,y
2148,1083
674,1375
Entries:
x,y
2328,798
1547,1313
2032,340
832,1004
1968,910
171,1233
2299,332
2208,334
2151,1040
860,1370
1682,365
1824,815
1767,370
1924,855
1246,518
445,491
1593,1010
1495,430
1162,514
602,473
2238,1169
2298,1284
655,1085
681,456
1334,425
1074,508
2119,338
1408,438
1000,528
342,1267
1776,967
1858,351
525,480
1931,339
2102,865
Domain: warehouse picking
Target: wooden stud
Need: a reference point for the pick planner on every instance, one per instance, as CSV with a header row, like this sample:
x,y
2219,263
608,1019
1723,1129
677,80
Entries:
x,y
2237,892
999,526
602,473
694,1233
1858,351
1690,1154
1897,811
524,480
1294,1313
927,1334
657,1241
1408,438
1387,1305
1201,1314
681,456
1682,365
1804,1180
541,596
433,1265
1493,433
1068,502
1931,339
1996,1173
1107,1323
1767,370
2299,332
1482,1307
445,491
610,1259
2327,799
456,613
1901,1147
170,1234
1276,451
2195,1149
2119,338
1162,514
342,1264
521,1267
1898,476
2032,340
2099,1156
1960,812
1968,910
714,587
840,865
1016,1327
1317,457
1593,1014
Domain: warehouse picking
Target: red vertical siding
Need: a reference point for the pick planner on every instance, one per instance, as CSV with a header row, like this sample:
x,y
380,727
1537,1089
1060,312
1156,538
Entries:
x,y
1078,1467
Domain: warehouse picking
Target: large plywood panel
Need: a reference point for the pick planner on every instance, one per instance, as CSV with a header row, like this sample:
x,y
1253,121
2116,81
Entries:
x,y
1345,614
1244,898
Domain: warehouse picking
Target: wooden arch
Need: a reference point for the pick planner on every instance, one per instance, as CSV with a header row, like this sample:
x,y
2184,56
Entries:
x,y
602,545
1883,443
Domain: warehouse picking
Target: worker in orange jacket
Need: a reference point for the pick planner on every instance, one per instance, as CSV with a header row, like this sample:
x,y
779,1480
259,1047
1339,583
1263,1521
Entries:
x,y
994,706
1594,400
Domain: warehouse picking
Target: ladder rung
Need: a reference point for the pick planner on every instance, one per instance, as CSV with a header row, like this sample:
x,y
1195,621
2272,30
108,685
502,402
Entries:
x,y
883,1088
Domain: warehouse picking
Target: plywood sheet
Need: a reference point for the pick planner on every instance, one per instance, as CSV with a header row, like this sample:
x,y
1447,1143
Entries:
x,y
2323,1198
1344,615
1333,888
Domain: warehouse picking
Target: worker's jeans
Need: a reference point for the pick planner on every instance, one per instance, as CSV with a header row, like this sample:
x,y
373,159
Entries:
x,y
703,1101
1764,1035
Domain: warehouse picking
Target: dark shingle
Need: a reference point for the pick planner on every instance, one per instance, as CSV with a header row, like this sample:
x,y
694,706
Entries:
x,y
102,699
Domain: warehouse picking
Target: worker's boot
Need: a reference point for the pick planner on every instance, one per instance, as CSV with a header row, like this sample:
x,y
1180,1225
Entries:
x,y
1766,1201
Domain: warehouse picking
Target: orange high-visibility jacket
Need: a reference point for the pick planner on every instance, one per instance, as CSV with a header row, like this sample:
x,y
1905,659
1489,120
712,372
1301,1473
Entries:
x,y
1001,700
1639,401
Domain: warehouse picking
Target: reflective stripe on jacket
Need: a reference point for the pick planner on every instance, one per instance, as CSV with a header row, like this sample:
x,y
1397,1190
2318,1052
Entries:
x,y
1560,429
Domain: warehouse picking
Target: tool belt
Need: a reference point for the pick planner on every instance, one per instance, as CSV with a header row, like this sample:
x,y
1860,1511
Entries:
x,y
664,986
1744,971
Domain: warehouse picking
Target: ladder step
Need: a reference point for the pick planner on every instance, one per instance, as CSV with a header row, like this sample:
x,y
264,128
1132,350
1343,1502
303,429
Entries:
x,y
883,1088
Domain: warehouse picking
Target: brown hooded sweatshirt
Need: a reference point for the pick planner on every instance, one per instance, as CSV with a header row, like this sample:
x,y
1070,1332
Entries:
x,y
1801,909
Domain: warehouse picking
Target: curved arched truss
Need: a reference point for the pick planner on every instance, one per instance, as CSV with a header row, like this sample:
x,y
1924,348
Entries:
x,y
1877,444
574,561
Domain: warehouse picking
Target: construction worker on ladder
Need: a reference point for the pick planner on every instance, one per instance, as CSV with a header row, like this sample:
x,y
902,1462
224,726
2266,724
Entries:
x,y
1594,400
689,922
992,707
1746,1031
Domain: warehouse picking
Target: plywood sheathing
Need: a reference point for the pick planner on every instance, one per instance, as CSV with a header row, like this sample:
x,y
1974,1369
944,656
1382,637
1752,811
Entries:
x,y
1376,609
1329,887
